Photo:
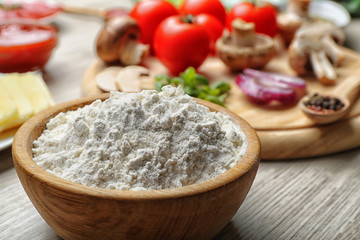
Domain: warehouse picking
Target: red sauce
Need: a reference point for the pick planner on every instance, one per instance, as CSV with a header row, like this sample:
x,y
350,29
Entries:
x,y
28,10
25,47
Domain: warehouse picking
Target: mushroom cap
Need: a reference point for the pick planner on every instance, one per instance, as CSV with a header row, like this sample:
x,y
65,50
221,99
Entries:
x,y
320,28
112,38
289,21
288,24
239,58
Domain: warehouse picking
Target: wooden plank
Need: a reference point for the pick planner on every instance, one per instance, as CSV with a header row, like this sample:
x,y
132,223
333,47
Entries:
x,y
317,199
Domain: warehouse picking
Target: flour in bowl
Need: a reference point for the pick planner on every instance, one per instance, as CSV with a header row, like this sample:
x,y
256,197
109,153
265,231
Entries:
x,y
140,141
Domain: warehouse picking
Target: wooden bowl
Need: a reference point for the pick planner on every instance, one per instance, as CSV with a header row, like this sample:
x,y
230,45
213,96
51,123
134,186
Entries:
x,y
75,211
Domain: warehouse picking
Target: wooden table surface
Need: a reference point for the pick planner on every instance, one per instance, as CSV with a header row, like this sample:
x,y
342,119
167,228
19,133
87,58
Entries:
x,y
315,198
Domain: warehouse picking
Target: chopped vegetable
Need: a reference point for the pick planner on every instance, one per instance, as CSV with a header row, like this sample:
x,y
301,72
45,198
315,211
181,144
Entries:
x,y
264,87
196,85
298,84
262,91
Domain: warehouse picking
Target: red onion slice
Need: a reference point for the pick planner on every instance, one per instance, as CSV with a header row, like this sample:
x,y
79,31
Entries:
x,y
298,84
263,90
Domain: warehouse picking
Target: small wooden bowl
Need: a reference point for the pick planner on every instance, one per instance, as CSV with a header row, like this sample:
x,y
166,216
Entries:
x,y
75,211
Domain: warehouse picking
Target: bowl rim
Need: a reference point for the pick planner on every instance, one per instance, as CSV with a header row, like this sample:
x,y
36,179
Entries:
x,y
48,43
22,157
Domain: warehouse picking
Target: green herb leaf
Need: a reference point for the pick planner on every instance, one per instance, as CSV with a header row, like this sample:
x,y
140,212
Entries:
x,y
163,78
222,97
214,100
189,76
222,86
201,79
214,92
178,81
159,85
196,85
192,91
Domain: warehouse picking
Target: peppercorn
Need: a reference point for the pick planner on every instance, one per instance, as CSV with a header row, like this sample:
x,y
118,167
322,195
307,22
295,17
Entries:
x,y
324,104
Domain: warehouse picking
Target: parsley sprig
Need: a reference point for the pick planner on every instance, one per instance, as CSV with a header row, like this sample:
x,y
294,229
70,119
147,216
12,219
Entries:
x,y
196,85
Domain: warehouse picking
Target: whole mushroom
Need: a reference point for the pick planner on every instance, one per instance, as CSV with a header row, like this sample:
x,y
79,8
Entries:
x,y
118,41
316,47
290,21
243,48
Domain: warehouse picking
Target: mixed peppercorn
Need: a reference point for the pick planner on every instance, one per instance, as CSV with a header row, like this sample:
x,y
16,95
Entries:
x,y
324,104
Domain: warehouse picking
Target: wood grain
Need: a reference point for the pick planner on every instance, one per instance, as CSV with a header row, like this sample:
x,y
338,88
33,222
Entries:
x,y
272,120
75,211
304,199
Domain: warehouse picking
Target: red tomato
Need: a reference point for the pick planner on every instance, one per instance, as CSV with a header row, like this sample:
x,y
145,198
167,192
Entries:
x,y
149,14
28,10
213,27
25,47
264,17
180,44
212,7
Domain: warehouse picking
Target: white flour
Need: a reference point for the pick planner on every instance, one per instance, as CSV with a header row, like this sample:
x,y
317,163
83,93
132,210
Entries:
x,y
139,141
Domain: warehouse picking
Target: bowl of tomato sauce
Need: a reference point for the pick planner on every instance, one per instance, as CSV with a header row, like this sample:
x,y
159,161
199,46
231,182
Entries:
x,y
26,46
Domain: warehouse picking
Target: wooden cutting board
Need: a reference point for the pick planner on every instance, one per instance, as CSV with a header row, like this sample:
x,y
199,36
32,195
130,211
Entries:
x,y
285,132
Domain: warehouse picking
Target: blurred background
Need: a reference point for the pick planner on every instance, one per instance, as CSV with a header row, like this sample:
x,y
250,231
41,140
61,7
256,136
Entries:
x,y
353,6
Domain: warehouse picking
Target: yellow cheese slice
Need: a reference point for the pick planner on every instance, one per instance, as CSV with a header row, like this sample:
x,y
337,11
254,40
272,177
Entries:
x,y
8,112
41,84
11,84
38,96
21,96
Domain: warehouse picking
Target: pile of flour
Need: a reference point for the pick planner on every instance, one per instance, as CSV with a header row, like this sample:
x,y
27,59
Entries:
x,y
138,141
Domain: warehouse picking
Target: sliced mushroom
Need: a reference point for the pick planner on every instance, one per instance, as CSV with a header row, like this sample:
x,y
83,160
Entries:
x,y
118,41
291,20
129,78
105,80
314,44
243,48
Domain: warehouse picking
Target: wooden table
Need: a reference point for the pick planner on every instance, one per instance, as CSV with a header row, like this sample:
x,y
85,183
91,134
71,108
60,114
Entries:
x,y
316,198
